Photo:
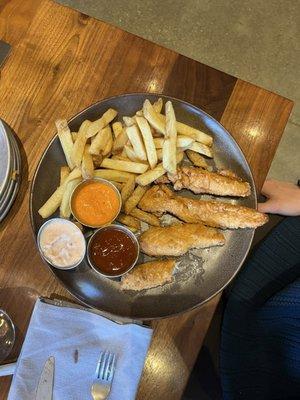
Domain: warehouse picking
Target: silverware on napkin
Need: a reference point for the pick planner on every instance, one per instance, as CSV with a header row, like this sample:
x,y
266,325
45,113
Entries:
x,y
45,385
104,375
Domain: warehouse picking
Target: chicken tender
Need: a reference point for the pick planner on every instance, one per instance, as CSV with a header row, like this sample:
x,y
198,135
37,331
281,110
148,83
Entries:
x,y
176,240
199,180
149,275
160,199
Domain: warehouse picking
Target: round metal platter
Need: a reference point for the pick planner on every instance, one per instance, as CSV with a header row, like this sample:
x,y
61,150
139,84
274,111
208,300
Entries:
x,y
13,184
5,160
200,274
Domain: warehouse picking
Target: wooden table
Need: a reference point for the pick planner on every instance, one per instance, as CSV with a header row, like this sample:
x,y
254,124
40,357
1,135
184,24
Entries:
x,y
61,62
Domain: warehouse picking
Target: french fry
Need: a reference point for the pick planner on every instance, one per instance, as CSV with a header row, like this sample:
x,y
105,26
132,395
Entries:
x,y
64,172
136,140
179,156
129,221
151,175
186,130
127,189
129,121
159,153
120,157
54,200
120,141
169,146
158,105
74,136
87,165
148,141
79,145
202,149
182,142
100,141
66,141
130,153
196,134
135,198
112,175
118,185
128,166
102,122
109,144
117,128
65,210
196,159
145,216
97,160
153,117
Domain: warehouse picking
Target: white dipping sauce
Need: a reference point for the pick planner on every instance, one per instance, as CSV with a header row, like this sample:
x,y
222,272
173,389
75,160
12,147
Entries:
x,y
61,243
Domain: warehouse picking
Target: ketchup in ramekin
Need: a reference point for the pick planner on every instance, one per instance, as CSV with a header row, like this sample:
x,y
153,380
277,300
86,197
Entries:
x,y
113,250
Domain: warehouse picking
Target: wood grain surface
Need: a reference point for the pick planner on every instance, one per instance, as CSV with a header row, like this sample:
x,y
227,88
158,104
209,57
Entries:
x,y
61,62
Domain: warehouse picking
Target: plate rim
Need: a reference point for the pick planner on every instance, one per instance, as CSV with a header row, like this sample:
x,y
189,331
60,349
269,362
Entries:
x,y
114,315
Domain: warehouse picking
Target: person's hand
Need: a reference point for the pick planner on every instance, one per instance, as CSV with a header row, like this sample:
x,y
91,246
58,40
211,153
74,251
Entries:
x,y
282,198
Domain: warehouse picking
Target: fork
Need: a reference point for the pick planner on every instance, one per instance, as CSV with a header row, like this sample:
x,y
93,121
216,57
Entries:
x,y
104,375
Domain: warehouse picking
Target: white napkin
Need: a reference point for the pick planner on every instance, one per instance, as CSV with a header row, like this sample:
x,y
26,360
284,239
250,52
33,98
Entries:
x,y
59,332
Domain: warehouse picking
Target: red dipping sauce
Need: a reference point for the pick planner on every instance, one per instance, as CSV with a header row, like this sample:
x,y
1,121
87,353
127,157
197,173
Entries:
x,y
113,250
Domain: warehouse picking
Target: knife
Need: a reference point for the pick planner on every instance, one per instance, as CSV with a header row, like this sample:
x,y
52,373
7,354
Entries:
x,y
4,51
45,385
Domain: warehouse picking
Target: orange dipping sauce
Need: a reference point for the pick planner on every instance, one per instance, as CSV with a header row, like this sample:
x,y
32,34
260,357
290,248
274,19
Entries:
x,y
95,203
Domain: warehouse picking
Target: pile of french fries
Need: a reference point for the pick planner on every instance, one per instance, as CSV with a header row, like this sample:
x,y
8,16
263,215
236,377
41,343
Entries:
x,y
131,154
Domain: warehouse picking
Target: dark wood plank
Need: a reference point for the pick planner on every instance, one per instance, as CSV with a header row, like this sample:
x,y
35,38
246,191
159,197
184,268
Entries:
x,y
63,61
201,85
256,118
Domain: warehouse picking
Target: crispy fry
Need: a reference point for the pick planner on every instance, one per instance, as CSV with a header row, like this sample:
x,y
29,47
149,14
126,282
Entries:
x,y
159,153
136,140
120,141
65,210
129,221
129,121
151,175
153,117
102,122
202,149
186,130
97,160
135,198
100,141
157,105
120,157
145,216
148,141
128,189
54,200
66,141
130,153
117,128
109,144
118,185
196,159
179,156
112,175
87,166
169,147
64,172
74,136
78,147
184,142
128,166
